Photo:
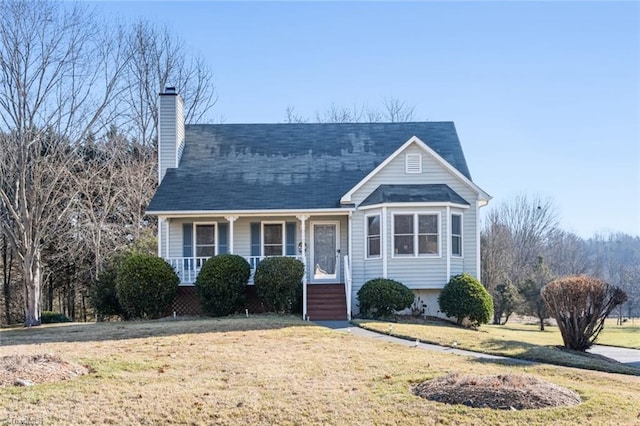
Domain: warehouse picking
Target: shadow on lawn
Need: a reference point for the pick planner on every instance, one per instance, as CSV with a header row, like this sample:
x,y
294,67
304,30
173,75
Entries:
x,y
558,355
122,330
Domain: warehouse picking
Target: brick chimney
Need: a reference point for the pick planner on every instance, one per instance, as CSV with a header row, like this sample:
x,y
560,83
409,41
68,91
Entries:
x,y
170,130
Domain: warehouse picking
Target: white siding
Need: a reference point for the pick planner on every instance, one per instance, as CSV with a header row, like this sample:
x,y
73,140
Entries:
x,y
170,132
424,275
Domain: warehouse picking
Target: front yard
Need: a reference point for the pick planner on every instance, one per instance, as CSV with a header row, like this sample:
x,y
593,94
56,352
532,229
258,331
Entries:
x,y
271,370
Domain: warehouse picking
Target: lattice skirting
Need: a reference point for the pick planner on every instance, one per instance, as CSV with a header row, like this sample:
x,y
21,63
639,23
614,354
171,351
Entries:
x,y
186,302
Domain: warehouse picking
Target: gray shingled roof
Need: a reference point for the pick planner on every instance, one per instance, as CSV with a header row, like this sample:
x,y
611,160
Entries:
x,y
288,166
413,194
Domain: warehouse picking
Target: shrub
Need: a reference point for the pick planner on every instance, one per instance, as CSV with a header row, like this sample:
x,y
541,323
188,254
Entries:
x,y
278,282
146,285
49,317
103,293
580,304
505,300
220,285
381,297
464,297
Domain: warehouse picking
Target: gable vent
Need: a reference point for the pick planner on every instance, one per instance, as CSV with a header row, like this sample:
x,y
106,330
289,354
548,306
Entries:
x,y
413,163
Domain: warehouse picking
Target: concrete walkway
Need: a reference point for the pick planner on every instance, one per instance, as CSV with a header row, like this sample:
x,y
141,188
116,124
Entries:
x,y
626,356
346,327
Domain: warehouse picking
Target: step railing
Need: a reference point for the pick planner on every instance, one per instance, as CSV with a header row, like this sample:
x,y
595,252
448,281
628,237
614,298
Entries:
x,y
347,284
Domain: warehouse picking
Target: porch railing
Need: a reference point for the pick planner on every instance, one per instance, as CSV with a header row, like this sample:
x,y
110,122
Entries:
x,y
188,268
347,284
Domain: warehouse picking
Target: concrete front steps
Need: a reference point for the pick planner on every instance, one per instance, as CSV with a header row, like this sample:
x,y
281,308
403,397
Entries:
x,y
326,302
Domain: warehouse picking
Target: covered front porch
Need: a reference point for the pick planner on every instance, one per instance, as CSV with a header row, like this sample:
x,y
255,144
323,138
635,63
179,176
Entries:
x,y
320,242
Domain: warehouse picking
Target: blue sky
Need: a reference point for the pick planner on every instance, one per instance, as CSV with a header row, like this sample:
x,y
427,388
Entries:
x,y
545,96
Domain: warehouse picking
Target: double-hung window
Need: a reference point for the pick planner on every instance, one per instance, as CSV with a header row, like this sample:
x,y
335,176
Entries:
x,y
456,235
205,240
415,234
373,236
273,239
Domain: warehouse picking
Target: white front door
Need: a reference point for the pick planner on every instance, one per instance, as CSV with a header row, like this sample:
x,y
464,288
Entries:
x,y
325,256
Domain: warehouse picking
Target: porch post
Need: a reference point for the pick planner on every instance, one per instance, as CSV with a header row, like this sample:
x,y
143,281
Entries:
x,y
167,222
303,232
231,219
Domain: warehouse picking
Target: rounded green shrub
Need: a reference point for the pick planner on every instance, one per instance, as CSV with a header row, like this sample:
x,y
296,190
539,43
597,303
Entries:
x,y
464,297
381,297
220,285
278,283
49,317
146,285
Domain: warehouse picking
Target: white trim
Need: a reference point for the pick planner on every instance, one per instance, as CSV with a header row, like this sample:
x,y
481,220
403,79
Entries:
x,y
195,237
416,245
160,222
385,252
461,255
336,275
346,198
231,220
409,163
247,213
429,204
449,222
284,237
167,225
478,275
366,236
303,228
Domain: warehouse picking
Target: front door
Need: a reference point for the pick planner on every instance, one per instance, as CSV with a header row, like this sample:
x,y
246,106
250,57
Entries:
x,y
325,256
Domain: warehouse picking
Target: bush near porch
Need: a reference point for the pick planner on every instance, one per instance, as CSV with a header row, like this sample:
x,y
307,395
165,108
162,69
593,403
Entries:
x,y
221,283
278,281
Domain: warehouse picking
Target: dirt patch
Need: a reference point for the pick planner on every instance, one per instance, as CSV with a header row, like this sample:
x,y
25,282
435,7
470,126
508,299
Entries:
x,y
27,370
505,392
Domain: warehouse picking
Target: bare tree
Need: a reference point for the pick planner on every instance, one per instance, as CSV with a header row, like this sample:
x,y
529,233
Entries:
x,y
58,74
158,59
393,111
291,116
567,253
397,111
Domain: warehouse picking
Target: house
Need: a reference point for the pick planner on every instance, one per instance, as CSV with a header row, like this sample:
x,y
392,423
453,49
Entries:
x,y
352,201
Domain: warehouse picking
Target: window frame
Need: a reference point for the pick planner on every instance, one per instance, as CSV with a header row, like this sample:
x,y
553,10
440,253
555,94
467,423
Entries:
x,y
283,236
461,254
367,236
416,233
195,238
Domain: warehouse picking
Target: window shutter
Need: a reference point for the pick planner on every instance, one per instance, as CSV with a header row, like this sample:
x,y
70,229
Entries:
x,y
187,239
290,235
223,238
255,239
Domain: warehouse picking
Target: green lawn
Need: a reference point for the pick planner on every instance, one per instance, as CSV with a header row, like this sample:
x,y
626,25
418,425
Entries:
x,y
272,370
513,339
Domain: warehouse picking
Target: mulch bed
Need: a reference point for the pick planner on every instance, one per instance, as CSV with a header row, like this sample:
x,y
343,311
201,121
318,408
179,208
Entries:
x,y
504,392
27,370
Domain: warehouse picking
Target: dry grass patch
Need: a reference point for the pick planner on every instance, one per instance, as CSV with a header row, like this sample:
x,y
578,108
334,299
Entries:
x,y
27,370
272,370
504,392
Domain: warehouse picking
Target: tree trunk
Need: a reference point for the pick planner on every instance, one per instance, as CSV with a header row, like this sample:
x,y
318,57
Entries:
x,y
32,290
7,264
541,324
